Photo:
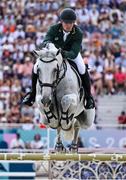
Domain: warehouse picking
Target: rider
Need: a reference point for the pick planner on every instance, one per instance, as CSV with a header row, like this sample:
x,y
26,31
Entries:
x,y
67,36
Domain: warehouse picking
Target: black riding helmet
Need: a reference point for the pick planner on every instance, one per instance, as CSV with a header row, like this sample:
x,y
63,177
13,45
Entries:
x,y
68,15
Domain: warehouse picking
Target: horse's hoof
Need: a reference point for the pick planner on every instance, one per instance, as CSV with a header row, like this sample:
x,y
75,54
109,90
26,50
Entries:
x,y
59,147
73,148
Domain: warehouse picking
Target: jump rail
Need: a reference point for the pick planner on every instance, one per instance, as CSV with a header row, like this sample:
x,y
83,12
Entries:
x,y
61,157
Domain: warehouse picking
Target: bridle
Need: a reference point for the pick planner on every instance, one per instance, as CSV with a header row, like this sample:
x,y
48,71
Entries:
x,y
55,83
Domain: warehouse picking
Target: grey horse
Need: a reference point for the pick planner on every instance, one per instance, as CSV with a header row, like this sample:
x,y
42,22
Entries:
x,y
60,98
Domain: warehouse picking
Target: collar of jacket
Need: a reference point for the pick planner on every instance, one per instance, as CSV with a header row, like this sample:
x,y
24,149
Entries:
x,y
72,32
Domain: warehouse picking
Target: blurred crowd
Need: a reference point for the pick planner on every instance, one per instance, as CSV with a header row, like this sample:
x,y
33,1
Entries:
x,y
23,25
18,143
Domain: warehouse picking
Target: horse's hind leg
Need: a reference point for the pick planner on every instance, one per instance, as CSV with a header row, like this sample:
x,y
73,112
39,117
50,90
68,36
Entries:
x,y
74,145
59,147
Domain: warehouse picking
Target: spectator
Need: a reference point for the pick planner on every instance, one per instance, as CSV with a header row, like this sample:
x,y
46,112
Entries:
x,y
37,142
19,32
27,114
96,78
27,67
3,118
94,14
17,142
109,68
14,114
18,69
120,80
122,118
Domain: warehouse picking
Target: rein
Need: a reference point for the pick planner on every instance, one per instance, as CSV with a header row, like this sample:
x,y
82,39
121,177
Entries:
x,y
58,79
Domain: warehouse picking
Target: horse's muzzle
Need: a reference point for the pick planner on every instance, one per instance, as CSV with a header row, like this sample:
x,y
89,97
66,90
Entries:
x,y
46,101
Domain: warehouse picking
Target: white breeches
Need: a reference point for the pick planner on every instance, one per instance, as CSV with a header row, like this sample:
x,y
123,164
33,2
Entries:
x,y
80,64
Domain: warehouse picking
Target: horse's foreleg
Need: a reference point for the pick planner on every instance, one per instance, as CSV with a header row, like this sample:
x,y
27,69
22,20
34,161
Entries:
x,y
59,147
69,105
51,118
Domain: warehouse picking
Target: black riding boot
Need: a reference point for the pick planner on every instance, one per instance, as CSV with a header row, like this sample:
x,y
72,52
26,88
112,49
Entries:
x,y
89,104
29,99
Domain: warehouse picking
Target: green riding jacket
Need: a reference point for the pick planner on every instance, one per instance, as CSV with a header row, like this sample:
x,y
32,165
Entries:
x,y
71,46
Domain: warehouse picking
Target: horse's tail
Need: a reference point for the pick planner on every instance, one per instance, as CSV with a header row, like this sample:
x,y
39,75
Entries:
x,y
69,135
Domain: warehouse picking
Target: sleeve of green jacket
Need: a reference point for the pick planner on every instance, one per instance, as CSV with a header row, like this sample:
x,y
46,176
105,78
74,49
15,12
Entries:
x,y
49,35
